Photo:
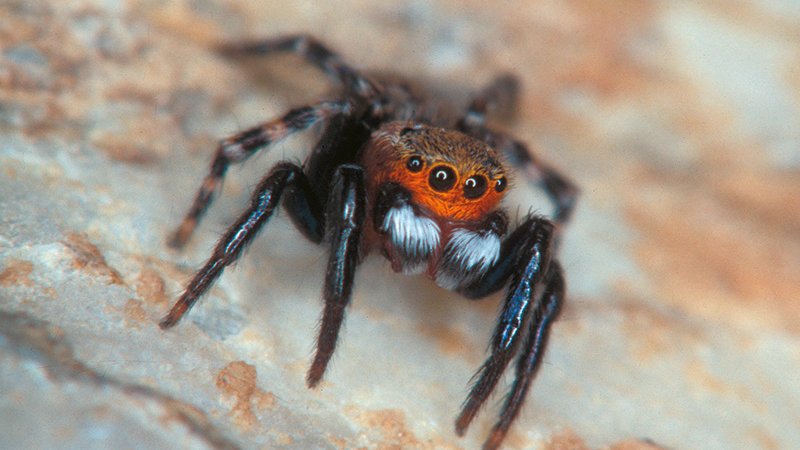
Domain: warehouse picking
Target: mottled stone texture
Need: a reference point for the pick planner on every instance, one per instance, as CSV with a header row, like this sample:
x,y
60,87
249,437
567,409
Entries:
x,y
680,120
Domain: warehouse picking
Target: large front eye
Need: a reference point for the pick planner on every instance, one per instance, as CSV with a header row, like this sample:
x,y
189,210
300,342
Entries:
x,y
442,178
414,164
475,186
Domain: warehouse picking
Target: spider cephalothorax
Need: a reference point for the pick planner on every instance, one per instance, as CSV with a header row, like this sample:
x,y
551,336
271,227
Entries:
x,y
453,176
433,189
390,175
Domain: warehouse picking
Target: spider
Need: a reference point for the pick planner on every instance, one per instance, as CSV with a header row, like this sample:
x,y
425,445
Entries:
x,y
395,172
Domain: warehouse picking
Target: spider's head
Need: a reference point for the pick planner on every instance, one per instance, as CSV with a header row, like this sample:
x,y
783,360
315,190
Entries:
x,y
453,176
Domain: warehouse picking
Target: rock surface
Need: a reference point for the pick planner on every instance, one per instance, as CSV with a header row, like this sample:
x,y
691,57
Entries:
x,y
679,120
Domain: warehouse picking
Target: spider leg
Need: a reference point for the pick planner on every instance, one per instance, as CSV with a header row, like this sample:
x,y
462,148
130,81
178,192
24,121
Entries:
x,y
562,192
345,217
242,145
304,207
498,96
314,52
545,312
263,203
304,203
524,259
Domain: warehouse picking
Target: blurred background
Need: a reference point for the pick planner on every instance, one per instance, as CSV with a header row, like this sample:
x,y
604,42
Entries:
x,y
679,120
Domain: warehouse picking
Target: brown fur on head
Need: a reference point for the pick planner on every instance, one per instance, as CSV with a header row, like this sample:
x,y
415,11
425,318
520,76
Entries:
x,y
388,158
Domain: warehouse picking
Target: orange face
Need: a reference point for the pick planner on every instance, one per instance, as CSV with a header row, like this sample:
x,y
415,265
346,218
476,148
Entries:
x,y
453,176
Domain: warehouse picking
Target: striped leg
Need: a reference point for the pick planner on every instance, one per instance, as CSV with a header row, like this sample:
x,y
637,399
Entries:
x,y
314,52
562,192
240,146
500,96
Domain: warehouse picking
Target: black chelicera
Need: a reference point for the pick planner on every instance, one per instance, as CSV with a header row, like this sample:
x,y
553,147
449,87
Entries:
x,y
392,174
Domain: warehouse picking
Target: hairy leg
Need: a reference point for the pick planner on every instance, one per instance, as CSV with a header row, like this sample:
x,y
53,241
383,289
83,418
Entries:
x,y
242,145
229,248
345,221
312,51
498,97
562,192
524,260
545,312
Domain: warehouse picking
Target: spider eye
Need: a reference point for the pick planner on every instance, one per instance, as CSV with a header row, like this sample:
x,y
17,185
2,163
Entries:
x,y
501,184
475,186
414,164
442,178
407,130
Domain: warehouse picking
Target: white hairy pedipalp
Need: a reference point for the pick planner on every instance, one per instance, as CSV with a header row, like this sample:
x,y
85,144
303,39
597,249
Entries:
x,y
474,250
416,237
467,255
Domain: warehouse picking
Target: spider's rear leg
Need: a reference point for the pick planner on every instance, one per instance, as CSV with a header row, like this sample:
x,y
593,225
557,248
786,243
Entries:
x,y
562,192
229,248
500,96
312,51
242,145
345,221
525,261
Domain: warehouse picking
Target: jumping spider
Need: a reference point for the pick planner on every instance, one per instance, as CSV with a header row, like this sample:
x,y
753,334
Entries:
x,y
392,173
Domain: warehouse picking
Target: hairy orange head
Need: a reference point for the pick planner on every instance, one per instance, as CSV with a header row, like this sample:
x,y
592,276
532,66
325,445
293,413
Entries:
x,y
448,173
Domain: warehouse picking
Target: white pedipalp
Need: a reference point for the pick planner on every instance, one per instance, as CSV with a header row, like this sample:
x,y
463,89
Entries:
x,y
474,251
468,254
416,237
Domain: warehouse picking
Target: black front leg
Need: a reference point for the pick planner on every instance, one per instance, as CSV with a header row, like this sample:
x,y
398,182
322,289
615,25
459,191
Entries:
x,y
345,221
262,204
525,261
304,202
545,312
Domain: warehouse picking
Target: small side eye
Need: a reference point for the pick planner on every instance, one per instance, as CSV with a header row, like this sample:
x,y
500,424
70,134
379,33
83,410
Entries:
x,y
414,164
500,184
475,186
442,178
407,130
